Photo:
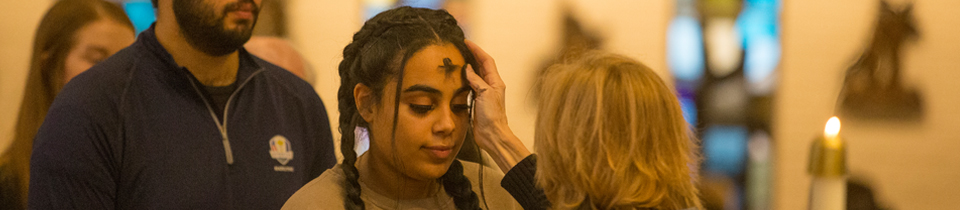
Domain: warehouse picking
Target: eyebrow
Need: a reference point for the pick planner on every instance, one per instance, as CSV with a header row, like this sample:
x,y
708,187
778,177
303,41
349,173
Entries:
x,y
431,90
422,88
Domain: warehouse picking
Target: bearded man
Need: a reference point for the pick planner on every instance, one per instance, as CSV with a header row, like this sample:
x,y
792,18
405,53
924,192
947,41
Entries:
x,y
185,118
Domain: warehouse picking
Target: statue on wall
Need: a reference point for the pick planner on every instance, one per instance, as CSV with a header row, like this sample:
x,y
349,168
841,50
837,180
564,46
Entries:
x,y
873,88
575,39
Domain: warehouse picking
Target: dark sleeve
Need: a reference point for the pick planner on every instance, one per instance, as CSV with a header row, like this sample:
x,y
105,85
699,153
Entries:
x,y
520,182
71,165
325,157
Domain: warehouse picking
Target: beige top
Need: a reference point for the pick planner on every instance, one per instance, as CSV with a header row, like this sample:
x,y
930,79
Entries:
x,y
326,192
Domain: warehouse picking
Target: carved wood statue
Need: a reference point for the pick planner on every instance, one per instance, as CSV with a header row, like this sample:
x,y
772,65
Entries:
x,y
575,39
873,88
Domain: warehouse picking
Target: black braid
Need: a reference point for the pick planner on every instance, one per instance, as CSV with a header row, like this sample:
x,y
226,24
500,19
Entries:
x,y
379,51
458,186
349,119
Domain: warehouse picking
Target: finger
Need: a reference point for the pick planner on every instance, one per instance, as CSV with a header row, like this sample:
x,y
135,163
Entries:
x,y
476,82
481,55
488,68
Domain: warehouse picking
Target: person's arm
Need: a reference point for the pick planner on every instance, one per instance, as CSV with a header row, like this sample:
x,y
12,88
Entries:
x,y
520,182
490,127
494,135
72,164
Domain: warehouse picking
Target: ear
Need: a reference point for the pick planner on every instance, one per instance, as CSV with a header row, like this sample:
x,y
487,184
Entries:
x,y
363,97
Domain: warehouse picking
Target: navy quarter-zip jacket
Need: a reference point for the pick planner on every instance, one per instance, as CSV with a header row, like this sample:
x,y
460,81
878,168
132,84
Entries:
x,y
137,131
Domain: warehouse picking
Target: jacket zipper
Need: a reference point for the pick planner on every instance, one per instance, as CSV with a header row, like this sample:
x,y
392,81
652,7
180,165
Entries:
x,y
222,125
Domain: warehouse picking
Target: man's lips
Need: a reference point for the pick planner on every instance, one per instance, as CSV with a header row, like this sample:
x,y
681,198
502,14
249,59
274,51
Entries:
x,y
244,11
243,14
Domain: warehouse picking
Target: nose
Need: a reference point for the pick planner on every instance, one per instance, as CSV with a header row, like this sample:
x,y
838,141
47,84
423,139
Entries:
x,y
446,122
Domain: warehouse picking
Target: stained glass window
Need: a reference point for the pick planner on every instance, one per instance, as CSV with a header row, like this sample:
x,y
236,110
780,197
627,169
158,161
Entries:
x,y
723,55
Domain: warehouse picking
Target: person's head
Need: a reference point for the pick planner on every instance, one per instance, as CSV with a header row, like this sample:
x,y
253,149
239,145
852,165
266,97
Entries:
x,y
72,36
215,27
281,53
76,34
610,135
403,79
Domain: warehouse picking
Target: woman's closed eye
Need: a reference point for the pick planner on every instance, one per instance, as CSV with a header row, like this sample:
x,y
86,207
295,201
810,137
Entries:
x,y
94,59
424,109
421,109
461,102
460,108
95,55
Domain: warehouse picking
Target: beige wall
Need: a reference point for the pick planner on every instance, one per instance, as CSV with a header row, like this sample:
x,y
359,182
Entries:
x,y
521,34
321,29
18,21
913,166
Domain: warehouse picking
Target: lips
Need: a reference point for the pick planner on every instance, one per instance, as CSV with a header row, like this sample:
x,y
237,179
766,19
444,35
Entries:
x,y
440,152
243,10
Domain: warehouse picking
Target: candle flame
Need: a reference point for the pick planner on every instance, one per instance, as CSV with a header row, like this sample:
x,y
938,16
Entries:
x,y
832,128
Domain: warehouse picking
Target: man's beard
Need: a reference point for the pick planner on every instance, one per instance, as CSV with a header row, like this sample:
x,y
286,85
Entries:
x,y
206,31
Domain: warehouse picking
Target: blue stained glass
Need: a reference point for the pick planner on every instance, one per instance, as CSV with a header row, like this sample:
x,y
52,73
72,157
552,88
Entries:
x,y
759,25
774,5
760,64
374,7
685,49
758,19
432,4
371,11
141,14
689,110
688,105
725,149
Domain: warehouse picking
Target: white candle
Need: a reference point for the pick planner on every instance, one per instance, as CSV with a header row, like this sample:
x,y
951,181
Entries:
x,y
828,191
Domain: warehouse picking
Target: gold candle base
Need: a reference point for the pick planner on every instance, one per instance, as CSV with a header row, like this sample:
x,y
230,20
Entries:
x,y
828,158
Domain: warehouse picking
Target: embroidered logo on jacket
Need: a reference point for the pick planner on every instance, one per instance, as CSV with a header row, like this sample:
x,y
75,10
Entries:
x,y
280,150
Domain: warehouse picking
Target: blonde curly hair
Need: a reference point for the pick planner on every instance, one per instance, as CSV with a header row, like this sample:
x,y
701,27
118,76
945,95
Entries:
x,y
611,135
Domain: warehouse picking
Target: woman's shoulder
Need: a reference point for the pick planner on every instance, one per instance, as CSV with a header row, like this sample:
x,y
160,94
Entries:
x,y
472,169
324,192
491,193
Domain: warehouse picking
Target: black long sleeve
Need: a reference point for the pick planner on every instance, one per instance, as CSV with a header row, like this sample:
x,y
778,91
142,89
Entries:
x,y
521,184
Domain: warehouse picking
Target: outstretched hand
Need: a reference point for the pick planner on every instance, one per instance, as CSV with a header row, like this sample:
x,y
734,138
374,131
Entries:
x,y
490,117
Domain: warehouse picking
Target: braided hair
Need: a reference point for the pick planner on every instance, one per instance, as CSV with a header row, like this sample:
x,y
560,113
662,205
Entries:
x,y
379,51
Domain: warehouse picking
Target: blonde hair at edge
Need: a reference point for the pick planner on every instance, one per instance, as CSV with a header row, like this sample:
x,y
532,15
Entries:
x,y
611,135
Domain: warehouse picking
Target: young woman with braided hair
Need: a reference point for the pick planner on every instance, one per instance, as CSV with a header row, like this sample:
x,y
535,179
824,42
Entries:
x,y
403,81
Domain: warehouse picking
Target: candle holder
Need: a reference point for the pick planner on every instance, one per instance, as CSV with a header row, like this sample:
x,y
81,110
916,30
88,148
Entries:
x,y
827,158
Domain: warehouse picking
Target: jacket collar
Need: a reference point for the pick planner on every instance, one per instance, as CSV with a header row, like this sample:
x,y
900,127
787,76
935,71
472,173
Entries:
x,y
148,39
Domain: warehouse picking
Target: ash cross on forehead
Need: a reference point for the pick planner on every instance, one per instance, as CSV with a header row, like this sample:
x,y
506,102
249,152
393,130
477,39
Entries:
x,y
448,66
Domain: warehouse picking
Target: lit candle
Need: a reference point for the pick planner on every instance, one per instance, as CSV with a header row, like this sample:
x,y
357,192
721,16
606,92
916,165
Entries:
x,y
828,168
831,131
